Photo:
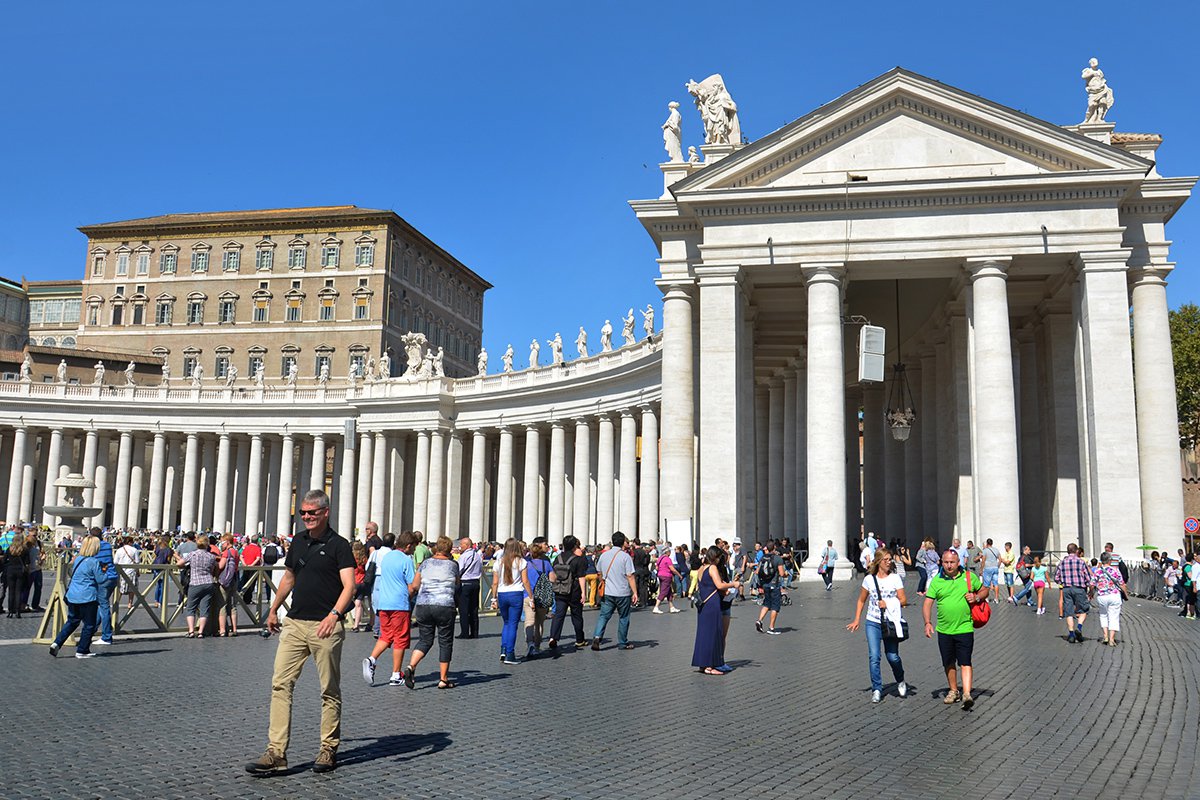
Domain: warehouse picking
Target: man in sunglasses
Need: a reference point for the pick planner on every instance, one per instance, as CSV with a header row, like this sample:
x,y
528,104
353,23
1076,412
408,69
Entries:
x,y
319,577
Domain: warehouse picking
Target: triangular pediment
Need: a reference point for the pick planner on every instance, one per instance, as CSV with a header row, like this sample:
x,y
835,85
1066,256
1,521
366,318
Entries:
x,y
902,127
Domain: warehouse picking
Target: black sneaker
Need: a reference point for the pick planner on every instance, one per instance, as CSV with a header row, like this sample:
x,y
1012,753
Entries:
x,y
596,645
758,626
54,650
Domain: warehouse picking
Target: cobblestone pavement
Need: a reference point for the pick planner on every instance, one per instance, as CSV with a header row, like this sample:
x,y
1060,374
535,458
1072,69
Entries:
x,y
178,718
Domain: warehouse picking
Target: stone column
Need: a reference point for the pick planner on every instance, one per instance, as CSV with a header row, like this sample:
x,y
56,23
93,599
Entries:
x,y
605,478
581,518
790,505
963,489
1033,525
171,484
345,508
121,487
254,483
221,486
648,491
437,485
286,508
1157,416
874,461
379,482
240,493
16,473
826,395
678,410
504,487
628,520
362,498
191,482
28,478
316,479
90,441
926,420
158,475
208,491
1106,398
775,458
529,484
854,470
556,491
477,516
762,462
801,460
913,480
996,485
421,483
53,459
398,464
454,482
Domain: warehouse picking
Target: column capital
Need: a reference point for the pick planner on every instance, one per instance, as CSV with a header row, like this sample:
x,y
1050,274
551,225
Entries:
x,y
583,422
534,427
626,412
647,408
823,272
1150,275
987,267
1116,260
558,424
677,288
719,275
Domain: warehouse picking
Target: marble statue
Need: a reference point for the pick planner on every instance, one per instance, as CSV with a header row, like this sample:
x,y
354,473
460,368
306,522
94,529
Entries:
x,y
385,366
507,359
323,375
556,345
352,373
627,328
27,370
292,373
1099,95
166,373
534,349
481,362
648,320
718,112
60,374
197,376
438,371
581,343
260,376
129,380
231,376
606,337
369,374
693,156
672,137
414,354
98,379
427,365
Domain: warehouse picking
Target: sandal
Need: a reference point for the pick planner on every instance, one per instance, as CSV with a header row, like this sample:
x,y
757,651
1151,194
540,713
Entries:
x,y
407,675
712,671
446,684
190,635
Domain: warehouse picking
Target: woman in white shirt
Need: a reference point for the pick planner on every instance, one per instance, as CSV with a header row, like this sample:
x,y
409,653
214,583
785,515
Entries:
x,y
883,594
510,584
127,556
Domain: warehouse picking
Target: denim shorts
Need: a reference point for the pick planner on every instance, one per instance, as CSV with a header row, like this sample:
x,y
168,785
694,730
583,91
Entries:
x,y
772,596
1008,579
991,576
1075,601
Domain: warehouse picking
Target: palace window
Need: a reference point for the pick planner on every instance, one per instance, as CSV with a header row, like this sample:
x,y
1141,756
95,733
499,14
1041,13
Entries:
x,y
327,309
293,309
231,260
255,362
221,368
329,255
98,266
122,264
226,309
264,258
139,313
324,359
118,313
297,256
163,311
288,359
362,307
93,315
199,261
143,263
261,306
364,255
195,312
167,263
189,363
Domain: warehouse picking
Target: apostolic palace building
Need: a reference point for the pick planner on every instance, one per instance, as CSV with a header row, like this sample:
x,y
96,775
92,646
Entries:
x,y
912,274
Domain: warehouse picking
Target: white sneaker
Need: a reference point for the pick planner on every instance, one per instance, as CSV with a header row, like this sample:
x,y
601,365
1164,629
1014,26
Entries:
x,y
369,671
101,643
902,688
774,632
396,680
658,610
876,696
84,655
674,610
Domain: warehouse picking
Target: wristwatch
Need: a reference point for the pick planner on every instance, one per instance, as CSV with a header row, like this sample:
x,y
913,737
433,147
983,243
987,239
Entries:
x,y
333,612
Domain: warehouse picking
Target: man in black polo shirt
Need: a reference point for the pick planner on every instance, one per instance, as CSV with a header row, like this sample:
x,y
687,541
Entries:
x,y
319,575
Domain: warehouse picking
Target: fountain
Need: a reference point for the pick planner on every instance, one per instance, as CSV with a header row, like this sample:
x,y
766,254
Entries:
x,y
73,512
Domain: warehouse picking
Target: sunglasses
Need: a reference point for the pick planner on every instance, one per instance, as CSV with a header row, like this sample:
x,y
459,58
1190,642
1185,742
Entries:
x,y
312,512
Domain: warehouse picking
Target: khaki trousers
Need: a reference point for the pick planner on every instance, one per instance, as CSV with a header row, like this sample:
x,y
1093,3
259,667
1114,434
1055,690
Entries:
x,y
297,641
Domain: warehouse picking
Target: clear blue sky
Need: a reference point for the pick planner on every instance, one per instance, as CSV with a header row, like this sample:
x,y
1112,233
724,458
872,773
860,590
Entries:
x,y
511,133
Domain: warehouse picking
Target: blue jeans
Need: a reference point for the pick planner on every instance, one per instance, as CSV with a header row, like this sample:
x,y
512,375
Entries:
x,y
104,607
1026,591
891,647
510,605
77,613
621,606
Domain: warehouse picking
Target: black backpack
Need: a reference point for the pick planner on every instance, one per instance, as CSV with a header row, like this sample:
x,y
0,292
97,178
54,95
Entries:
x,y
767,569
562,579
270,554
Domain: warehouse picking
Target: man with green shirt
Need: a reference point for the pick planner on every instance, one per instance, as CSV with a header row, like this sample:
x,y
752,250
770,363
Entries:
x,y
956,631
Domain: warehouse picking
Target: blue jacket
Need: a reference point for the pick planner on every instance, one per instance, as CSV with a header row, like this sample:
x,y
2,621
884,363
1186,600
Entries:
x,y
88,581
105,553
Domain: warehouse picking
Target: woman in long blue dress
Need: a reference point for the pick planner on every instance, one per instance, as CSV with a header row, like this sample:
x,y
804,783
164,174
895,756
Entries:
x,y
709,653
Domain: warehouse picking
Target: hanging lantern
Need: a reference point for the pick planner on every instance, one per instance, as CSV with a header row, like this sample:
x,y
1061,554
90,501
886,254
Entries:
x,y
900,408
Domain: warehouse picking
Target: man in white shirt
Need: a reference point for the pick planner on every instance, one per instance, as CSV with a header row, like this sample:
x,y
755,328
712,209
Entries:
x,y
620,592
389,539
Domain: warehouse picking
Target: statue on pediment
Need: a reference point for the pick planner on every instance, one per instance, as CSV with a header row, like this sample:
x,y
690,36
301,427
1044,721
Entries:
x,y
414,354
60,374
627,328
556,346
98,378
606,337
718,112
534,350
166,373
672,134
507,359
129,370
481,362
231,376
385,366
323,375
438,370
1100,96
197,376
693,156
648,320
581,343
292,373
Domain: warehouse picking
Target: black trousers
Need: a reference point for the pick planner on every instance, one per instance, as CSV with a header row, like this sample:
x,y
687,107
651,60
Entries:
x,y
468,609
574,602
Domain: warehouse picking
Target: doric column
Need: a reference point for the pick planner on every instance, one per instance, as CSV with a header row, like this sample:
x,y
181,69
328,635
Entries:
x,y
580,487
16,472
995,419
191,482
605,478
345,503
648,491
1157,415
28,478
208,489
121,486
240,492
854,470
628,520
927,430
172,480
800,520
255,485
53,459
379,481
399,462
90,440
437,485
762,462
678,423
421,483
1061,446
454,484
362,498
316,478
913,477
504,487
963,490
555,507
826,396
790,505
137,477
220,485
286,508
477,514
1033,521
775,505
874,461
530,490
158,476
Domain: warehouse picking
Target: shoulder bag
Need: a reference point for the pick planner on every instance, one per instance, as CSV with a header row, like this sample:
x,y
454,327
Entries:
x,y
699,601
888,627
980,612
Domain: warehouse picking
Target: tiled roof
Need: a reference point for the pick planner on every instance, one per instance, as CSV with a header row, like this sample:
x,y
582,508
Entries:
x,y
257,215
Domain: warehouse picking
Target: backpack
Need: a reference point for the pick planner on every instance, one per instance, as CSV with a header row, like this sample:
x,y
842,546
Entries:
x,y
270,554
562,580
543,593
767,569
228,575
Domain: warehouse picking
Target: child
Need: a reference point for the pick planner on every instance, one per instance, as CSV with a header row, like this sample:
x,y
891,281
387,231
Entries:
x,y
1171,580
1039,583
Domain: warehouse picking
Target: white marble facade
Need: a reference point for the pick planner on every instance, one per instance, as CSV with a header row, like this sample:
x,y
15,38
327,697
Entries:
x,y
1015,247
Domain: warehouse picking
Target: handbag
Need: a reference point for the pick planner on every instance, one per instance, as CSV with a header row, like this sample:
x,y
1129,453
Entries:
x,y
980,612
887,626
699,602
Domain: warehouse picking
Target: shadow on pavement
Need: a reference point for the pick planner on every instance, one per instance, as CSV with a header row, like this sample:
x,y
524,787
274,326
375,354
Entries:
x,y
406,745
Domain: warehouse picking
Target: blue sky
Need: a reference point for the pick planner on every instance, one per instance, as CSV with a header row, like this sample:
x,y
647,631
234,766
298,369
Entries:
x,y
511,133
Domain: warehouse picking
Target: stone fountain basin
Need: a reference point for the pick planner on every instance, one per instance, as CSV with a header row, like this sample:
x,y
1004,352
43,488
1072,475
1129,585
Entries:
x,y
72,511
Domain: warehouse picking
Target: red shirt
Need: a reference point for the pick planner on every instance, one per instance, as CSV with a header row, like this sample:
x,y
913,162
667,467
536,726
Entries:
x,y
251,553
